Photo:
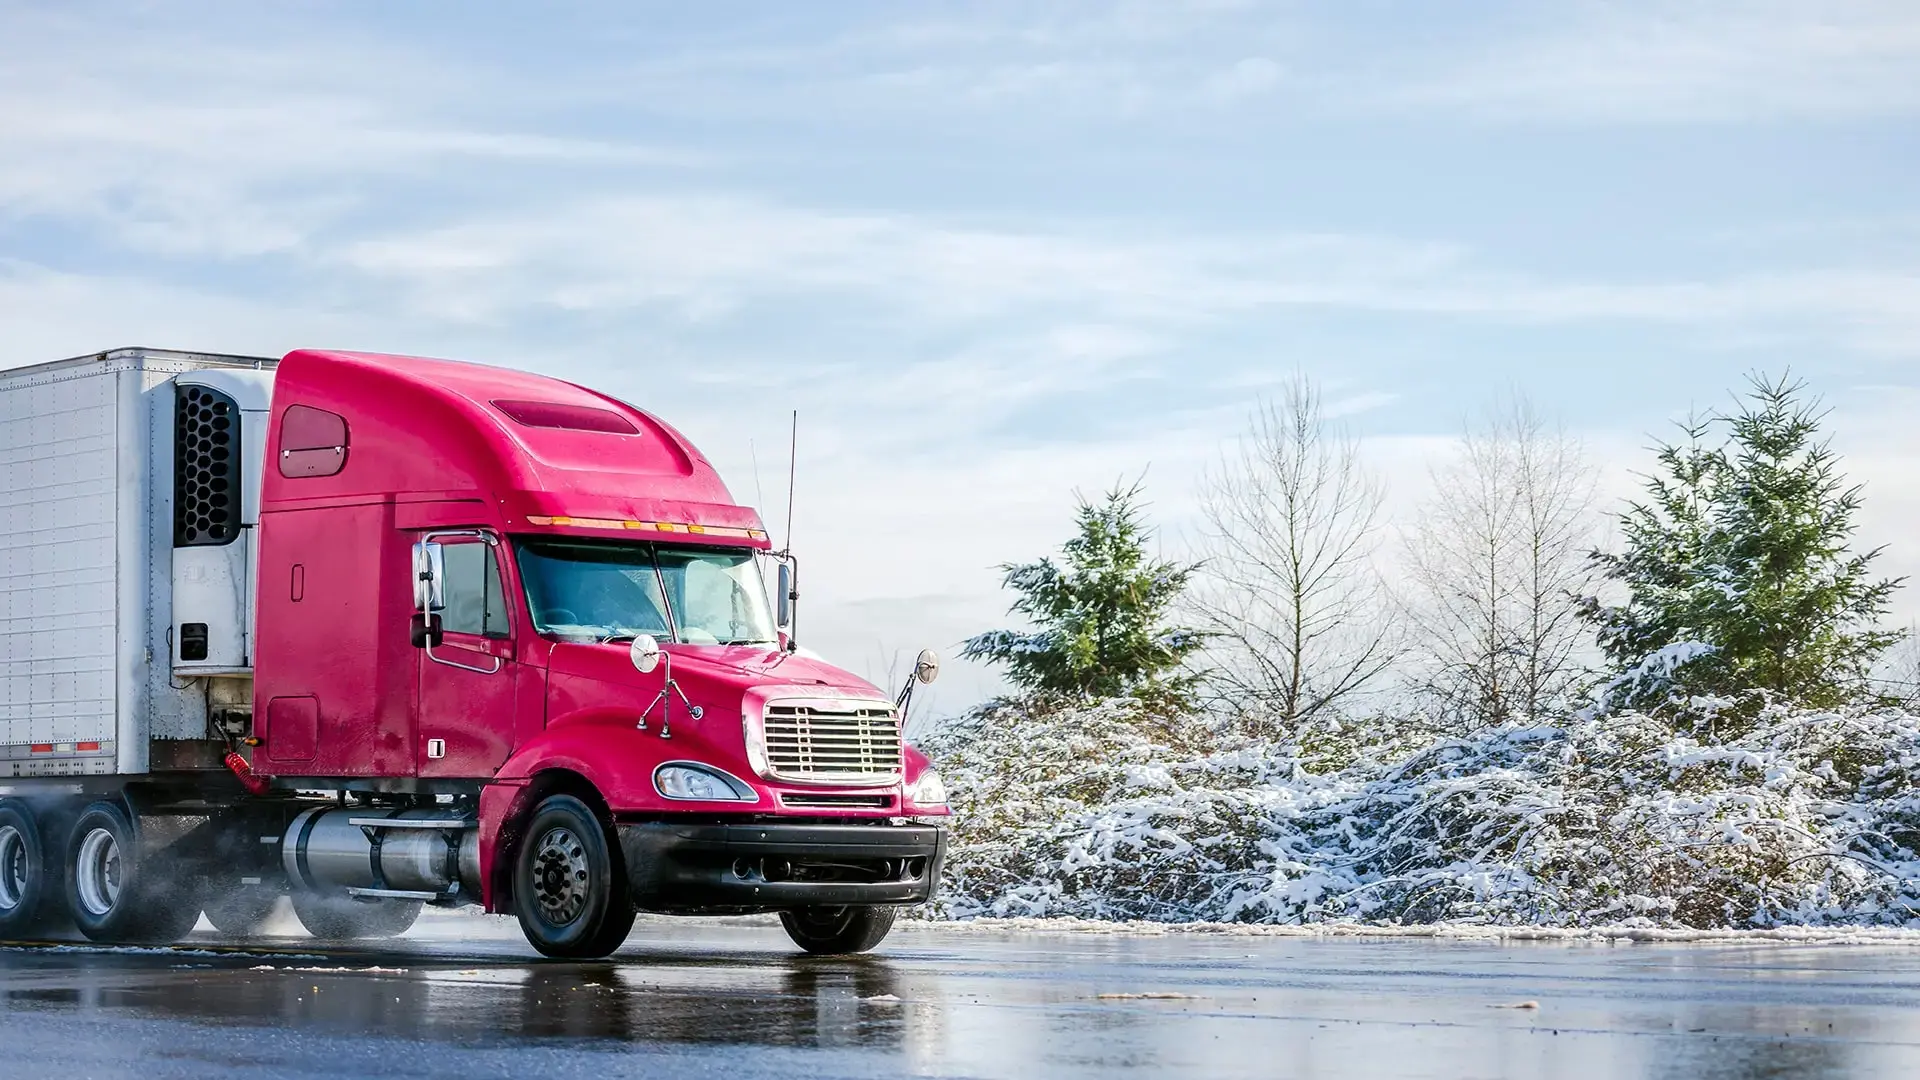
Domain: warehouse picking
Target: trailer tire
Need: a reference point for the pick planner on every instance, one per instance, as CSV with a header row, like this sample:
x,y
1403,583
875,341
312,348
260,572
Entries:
x,y
837,931
569,884
242,912
114,892
341,918
29,886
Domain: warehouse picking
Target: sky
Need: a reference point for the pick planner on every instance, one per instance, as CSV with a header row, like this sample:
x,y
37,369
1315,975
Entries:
x,y
997,254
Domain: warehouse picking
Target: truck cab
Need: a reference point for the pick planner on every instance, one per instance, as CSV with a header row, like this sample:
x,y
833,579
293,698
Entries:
x,y
472,635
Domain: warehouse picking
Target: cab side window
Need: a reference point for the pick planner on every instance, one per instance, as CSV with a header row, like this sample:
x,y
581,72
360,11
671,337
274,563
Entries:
x,y
476,603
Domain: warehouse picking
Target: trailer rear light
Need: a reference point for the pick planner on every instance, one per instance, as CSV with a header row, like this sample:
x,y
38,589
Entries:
x,y
647,526
63,748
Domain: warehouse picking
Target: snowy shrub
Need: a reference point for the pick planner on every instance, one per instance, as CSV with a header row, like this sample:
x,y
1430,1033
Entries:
x,y
1117,810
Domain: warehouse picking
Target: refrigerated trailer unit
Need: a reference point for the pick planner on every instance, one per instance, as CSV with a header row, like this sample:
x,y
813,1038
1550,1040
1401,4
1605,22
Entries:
x,y
379,632
101,460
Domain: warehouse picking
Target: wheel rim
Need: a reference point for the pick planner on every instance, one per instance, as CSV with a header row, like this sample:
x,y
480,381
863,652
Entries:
x,y
97,872
13,868
561,880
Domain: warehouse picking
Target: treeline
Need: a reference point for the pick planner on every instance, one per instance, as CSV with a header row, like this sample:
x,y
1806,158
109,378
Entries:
x,y
1305,616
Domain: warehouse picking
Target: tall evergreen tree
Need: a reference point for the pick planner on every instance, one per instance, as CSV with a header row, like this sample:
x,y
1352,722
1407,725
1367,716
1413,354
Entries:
x,y
1737,565
1102,617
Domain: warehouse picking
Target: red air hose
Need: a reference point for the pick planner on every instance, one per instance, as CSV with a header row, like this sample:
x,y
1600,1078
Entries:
x,y
255,785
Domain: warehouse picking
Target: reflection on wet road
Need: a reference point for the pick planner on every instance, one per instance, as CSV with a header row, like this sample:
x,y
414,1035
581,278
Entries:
x,y
463,997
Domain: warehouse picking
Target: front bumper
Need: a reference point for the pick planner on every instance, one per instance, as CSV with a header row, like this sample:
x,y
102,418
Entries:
x,y
708,868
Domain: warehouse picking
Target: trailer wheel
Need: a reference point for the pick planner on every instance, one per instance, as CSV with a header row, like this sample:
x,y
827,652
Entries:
x,y
569,887
242,912
837,931
115,892
342,918
27,884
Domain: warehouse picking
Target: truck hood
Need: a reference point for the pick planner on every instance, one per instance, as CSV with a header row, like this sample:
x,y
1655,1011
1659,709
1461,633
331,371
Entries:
x,y
741,666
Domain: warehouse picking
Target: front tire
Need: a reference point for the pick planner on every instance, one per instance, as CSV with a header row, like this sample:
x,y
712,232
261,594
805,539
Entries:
x,y
837,931
115,892
29,887
569,882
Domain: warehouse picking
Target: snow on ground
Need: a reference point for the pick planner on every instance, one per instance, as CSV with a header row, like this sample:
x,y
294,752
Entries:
x,y
1600,824
1905,937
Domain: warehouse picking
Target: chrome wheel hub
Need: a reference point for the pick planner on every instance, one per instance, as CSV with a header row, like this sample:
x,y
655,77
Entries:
x,y
561,881
96,872
13,868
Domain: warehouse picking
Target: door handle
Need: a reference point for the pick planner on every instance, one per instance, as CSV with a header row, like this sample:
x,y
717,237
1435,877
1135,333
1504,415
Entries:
x,y
498,663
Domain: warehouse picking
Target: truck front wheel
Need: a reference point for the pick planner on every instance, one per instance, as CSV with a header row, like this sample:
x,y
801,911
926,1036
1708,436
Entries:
x,y
27,886
837,931
569,886
116,892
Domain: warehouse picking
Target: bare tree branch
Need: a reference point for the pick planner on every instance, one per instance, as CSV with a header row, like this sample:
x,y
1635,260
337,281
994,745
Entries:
x,y
1496,561
1289,594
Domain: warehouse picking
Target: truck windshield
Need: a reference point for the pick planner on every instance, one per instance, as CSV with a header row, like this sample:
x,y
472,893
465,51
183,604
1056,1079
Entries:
x,y
607,590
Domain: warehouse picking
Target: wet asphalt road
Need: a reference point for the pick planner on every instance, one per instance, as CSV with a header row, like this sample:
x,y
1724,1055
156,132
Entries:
x,y
463,997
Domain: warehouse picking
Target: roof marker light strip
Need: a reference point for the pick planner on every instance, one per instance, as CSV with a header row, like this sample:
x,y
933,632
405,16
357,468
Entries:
x,y
648,526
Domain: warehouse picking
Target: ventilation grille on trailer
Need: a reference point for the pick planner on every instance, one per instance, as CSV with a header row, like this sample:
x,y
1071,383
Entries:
x,y
206,467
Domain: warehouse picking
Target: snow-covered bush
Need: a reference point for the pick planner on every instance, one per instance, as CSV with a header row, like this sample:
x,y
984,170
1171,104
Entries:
x,y
1117,810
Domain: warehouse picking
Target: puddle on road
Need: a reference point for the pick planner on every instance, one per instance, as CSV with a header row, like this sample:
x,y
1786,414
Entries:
x,y
776,1001
1013,1008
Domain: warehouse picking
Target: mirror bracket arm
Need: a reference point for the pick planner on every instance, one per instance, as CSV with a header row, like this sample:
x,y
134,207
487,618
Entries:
x,y
664,701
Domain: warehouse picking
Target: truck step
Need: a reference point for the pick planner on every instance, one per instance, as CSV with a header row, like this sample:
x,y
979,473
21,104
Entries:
x,y
392,894
412,823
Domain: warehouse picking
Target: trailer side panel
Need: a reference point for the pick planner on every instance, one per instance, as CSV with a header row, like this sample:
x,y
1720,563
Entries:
x,y
61,513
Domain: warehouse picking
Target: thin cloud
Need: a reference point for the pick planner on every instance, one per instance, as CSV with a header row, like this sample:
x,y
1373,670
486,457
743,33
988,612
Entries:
x,y
1668,62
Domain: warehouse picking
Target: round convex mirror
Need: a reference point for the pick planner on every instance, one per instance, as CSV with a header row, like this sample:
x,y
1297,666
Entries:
x,y
645,653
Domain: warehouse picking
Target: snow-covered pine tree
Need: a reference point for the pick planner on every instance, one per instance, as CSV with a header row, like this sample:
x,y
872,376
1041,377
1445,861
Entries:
x,y
1102,626
1737,565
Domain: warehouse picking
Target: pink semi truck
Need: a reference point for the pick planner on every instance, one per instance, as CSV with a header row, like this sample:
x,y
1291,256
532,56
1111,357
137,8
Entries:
x,y
380,632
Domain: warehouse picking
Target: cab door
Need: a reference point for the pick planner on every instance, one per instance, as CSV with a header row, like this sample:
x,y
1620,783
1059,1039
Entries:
x,y
466,679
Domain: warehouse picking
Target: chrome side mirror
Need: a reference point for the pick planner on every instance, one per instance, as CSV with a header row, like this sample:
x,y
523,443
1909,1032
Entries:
x,y
926,668
645,654
429,577
783,603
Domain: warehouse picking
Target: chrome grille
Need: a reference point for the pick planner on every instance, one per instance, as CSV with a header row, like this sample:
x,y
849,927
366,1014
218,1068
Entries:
x,y
849,743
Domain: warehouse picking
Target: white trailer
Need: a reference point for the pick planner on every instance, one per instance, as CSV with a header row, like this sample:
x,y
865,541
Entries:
x,y
129,491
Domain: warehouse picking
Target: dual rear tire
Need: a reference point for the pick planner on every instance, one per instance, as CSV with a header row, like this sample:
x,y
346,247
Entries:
x,y
29,893
114,892
342,918
100,883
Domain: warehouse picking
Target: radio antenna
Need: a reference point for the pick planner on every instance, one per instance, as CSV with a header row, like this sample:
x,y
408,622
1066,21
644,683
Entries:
x,y
759,496
793,449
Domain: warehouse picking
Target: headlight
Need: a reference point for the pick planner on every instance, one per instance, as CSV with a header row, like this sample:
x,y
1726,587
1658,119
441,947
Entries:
x,y
699,783
929,790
